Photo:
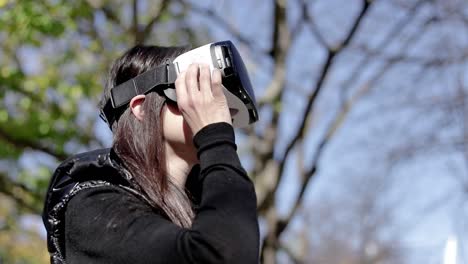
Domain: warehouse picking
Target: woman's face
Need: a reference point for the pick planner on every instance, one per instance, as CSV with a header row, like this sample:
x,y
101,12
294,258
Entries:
x,y
177,133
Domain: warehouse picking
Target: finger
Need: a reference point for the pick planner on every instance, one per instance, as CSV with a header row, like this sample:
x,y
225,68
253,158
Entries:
x,y
205,81
191,81
216,84
181,90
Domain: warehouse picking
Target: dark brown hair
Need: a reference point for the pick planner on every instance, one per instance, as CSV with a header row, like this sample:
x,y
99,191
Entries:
x,y
140,144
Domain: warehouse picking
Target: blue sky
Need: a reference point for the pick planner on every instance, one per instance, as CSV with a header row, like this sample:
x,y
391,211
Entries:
x,y
378,124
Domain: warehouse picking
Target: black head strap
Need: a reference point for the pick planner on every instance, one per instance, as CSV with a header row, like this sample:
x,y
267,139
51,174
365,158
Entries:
x,y
158,78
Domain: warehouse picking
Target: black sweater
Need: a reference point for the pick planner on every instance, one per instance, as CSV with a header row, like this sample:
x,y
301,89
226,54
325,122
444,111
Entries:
x,y
111,225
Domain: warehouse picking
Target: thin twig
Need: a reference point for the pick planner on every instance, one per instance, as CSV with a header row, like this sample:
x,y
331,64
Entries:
x,y
24,143
18,191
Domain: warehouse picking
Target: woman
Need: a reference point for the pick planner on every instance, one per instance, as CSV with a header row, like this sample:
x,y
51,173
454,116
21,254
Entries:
x,y
170,190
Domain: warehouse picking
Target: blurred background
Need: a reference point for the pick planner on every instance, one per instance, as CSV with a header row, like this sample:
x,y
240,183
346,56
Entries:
x,y
361,152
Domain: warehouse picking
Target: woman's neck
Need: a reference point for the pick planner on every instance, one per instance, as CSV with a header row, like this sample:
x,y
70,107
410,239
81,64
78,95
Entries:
x,y
178,165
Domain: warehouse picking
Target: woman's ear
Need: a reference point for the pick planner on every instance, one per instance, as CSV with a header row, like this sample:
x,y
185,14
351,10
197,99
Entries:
x,y
135,105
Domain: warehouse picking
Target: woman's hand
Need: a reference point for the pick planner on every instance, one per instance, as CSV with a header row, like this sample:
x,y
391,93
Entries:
x,y
200,97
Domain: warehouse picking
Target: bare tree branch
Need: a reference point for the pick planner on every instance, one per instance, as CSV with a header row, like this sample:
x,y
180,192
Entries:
x,y
139,34
111,15
389,38
341,116
23,196
275,88
277,226
319,84
24,143
290,253
311,100
220,21
265,164
355,26
156,17
464,108
134,27
311,23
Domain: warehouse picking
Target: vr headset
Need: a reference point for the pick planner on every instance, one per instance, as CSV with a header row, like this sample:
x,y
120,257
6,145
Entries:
x,y
221,55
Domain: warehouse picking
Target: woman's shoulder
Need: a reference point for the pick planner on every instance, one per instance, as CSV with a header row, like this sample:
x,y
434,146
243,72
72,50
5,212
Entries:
x,y
107,199
105,221
92,211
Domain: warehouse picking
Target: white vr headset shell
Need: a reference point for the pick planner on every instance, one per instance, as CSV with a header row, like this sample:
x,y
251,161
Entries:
x,y
239,111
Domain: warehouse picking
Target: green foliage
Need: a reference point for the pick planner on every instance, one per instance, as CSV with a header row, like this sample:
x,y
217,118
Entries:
x,y
19,244
53,60
29,21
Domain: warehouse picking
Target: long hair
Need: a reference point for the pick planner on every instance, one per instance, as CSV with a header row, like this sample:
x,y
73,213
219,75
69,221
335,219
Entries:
x,y
140,144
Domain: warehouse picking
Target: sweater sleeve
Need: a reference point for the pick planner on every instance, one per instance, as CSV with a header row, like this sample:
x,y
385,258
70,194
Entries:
x,y
111,225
